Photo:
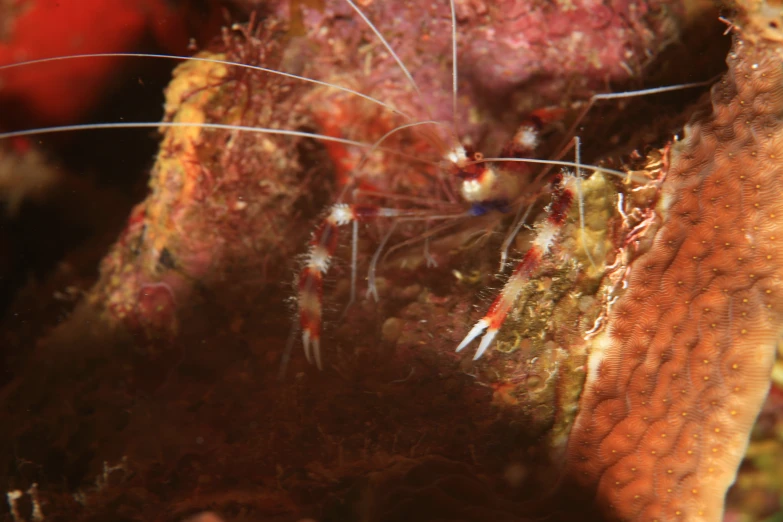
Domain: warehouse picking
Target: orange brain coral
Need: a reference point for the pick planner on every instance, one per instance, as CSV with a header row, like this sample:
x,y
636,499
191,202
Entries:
x,y
677,377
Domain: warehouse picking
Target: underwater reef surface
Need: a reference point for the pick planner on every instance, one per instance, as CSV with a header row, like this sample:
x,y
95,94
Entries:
x,y
624,383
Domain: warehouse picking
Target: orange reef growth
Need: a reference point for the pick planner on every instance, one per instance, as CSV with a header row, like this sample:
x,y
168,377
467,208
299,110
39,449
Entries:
x,y
680,371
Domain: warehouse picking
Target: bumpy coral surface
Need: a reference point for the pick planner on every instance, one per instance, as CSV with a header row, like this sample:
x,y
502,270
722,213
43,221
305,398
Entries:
x,y
679,374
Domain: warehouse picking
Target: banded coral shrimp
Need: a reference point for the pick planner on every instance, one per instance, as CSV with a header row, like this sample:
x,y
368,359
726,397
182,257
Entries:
x,y
482,202
155,235
329,120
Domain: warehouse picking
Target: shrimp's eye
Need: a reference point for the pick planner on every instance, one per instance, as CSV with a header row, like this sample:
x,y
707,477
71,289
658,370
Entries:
x,y
470,172
478,156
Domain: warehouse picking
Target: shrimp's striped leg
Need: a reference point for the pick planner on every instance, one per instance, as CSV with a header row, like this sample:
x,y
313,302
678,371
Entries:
x,y
319,256
546,234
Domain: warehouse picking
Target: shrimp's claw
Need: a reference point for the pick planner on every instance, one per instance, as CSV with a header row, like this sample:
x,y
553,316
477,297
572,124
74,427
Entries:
x,y
310,298
306,345
322,247
503,303
546,234
312,348
477,330
491,325
485,342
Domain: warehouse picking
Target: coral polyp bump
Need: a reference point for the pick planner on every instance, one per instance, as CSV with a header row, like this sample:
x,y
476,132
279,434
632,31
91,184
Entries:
x,y
625,358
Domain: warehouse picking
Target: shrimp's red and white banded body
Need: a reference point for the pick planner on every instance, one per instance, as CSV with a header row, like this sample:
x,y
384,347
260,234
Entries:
x,y
483,185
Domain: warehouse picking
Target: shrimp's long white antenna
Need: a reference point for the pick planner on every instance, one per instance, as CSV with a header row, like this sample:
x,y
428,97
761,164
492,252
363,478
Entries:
x,y
397,129
652,90
399,61
519,223
211,60
376,146
221,126
580,197
375,30
563,146
454,71
372,288
559,163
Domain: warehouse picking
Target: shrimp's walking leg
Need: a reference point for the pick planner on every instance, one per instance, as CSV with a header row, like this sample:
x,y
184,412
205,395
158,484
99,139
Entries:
x,y
310,285
546,234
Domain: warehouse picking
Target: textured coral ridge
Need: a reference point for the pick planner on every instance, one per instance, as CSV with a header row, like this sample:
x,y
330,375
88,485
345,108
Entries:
x,y
219,203
678,376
